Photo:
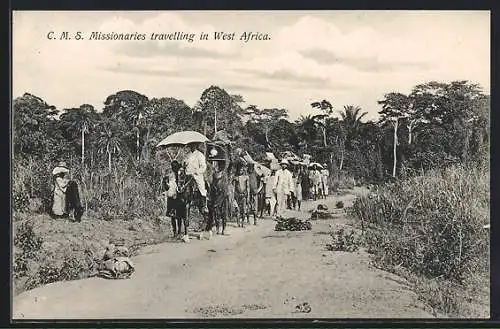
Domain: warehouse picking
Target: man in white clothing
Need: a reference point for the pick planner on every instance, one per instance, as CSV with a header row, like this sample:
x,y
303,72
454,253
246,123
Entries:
x,y
196,166
283,186
325,173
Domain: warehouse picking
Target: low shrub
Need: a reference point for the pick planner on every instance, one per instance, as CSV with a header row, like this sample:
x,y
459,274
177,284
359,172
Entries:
x,y
70,251
26,248
431,225
342,241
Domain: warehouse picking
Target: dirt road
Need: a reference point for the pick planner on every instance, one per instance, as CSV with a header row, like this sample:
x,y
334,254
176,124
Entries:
x,y
251,273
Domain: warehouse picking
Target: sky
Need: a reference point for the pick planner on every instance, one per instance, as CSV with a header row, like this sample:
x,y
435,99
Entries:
x,y
345,57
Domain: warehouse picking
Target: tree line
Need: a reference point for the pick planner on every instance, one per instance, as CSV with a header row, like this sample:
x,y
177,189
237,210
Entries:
x,y
436,124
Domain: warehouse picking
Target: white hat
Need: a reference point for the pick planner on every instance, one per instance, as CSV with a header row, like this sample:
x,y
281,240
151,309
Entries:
x,y
61,168
284,161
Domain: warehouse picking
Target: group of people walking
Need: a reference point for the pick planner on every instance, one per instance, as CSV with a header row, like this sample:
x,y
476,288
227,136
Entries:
x,y
248,191
289,185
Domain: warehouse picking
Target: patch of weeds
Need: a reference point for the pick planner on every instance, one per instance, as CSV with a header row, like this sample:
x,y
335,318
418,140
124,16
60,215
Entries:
x,y
342,241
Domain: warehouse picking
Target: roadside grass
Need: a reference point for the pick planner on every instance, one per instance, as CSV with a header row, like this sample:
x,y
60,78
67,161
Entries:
x,y
120,207
429,229
47,250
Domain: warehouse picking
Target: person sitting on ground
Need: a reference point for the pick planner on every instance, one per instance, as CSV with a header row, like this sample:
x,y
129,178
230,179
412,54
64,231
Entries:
x,y
66,198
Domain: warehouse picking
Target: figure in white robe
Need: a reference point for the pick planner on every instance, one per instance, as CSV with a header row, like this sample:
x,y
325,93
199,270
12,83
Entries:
x,y
283,186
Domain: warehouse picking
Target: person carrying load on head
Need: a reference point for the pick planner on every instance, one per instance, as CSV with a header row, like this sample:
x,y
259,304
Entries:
x,y
196,167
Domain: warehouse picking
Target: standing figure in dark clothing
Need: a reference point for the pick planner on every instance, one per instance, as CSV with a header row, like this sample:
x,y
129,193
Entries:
x,y
66,198
176,206
255,188
306,184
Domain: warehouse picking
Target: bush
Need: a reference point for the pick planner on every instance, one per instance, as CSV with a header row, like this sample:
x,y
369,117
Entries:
x,y
343,241
431,228
26,247
70,268
432,224
30,181
344,182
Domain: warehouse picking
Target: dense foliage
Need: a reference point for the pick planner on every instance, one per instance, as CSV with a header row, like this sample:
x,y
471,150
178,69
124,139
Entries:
x,y
114,159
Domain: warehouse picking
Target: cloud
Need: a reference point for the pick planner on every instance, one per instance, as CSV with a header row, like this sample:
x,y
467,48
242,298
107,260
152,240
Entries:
x,y
368,64
284,75
238,87
168,49
141,71
349,60
155,72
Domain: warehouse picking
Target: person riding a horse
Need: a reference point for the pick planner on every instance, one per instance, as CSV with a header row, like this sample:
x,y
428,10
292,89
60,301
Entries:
x,y
196,166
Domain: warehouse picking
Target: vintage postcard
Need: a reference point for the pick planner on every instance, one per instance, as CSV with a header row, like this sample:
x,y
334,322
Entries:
x,y
250,164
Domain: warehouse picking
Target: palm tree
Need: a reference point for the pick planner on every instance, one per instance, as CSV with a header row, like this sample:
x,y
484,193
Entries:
x,y
351,117
320,119
337,129
109,141
80,120
306,129
137,115
130,106
351,121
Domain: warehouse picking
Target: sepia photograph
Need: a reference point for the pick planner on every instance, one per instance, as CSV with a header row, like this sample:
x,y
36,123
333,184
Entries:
x,y
322,164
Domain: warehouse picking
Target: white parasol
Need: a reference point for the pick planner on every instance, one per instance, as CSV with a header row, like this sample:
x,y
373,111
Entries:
x,y
183,138
315,164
